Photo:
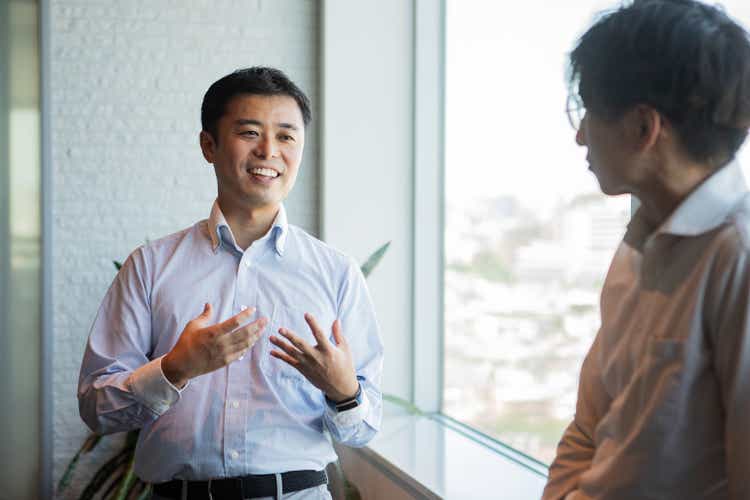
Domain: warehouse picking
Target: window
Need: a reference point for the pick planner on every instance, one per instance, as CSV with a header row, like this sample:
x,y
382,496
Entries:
x,y
528,235
20,249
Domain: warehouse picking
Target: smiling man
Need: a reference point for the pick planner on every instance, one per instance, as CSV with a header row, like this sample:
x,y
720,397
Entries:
x,y
238,344
664,394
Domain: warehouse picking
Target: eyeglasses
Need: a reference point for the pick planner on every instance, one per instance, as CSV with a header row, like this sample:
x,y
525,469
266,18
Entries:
x,y
575,110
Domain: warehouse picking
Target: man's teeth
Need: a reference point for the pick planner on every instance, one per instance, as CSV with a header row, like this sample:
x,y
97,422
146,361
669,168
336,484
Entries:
x,y
264,171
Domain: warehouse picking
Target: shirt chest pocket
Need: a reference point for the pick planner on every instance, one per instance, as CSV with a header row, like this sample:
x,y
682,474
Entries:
x,y
658,386
292,319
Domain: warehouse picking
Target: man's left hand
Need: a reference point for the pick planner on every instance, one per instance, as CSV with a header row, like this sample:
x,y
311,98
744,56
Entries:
x,y
327,366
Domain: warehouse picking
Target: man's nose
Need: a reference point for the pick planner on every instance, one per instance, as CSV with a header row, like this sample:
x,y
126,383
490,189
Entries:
x,y
266,147
579,137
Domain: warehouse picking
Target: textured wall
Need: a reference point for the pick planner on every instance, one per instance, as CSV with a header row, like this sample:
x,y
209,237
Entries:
x,y
127,80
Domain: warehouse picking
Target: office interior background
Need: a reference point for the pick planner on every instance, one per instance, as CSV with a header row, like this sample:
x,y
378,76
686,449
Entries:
x,y
439,125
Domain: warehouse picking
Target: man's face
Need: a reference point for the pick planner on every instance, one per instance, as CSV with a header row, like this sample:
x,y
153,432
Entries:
x,y
607,153
257,151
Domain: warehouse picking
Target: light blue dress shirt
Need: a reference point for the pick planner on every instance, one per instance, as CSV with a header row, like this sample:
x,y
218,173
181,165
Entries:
x,y
257,415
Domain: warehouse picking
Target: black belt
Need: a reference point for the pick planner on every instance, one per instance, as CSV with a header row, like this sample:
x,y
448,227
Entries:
x,y
236,488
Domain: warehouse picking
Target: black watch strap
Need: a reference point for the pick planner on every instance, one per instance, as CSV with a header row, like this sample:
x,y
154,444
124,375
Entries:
x,y
346,404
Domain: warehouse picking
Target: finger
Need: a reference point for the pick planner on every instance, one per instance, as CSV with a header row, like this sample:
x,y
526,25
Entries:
x,y
338,335
234,356
231,348
204,316
234,351
248,334
287,359
290,349
235,321
320,337
297,341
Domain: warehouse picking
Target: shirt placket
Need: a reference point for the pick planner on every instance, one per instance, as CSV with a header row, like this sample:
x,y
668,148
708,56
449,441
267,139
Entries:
x,y
236,410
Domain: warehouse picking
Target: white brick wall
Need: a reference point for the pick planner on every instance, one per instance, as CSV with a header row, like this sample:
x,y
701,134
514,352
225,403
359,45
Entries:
x,y
127,79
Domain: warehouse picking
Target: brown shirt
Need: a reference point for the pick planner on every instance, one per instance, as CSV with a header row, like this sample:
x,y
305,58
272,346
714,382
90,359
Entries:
x,y
664,397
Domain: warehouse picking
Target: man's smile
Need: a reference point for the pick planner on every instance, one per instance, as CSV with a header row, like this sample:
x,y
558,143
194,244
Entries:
x,y
263,172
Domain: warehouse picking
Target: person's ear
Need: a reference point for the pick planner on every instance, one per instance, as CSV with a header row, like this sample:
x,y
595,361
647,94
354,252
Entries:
x,y
208,145
647,126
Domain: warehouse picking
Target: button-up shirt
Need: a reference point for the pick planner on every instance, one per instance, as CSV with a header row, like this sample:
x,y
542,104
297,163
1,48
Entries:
x,y
257,415
664,395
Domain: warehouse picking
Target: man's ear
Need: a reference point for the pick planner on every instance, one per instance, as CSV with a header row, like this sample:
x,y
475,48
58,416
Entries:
x,y
646,127
208,145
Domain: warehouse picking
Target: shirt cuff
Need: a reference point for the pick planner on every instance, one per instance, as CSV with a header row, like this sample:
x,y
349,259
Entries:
x,y
349,418
151,387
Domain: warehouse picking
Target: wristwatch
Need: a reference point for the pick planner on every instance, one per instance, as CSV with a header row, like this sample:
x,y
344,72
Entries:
x,y
347,404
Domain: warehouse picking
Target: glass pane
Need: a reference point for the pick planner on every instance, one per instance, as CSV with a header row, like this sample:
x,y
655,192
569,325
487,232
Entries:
x,y
20,237
528,234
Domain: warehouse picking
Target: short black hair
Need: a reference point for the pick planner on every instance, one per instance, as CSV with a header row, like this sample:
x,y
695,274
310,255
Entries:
x,y
688,60
257,80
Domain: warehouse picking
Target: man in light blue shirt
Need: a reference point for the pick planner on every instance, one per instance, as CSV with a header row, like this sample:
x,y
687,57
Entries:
x,y
235,344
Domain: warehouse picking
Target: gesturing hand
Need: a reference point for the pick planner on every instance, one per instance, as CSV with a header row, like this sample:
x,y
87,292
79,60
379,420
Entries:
x,y
327,366
203,348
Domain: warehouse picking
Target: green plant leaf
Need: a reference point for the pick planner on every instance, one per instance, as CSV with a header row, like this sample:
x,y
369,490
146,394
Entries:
x,y
118,265
112,485
131,439
86,447
128,481
374,259
104,473
91,442
146,493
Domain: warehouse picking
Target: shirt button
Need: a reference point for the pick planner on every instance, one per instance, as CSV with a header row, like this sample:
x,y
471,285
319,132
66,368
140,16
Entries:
x,y
234,454
247,263
235,404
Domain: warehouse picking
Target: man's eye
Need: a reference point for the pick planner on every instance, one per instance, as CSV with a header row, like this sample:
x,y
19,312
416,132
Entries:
x,y
287,138
250,133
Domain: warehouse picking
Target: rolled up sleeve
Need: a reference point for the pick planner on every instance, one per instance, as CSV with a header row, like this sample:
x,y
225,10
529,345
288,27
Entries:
x,y
119,387
357,426
576,448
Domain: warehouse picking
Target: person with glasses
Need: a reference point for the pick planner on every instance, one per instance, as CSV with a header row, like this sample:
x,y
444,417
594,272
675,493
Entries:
x,y
238,346
663,91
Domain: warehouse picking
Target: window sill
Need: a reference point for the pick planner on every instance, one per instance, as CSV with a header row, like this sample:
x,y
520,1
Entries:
x,y
433,456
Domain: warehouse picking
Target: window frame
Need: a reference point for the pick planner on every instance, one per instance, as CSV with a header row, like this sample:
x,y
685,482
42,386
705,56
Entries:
x,y
429,204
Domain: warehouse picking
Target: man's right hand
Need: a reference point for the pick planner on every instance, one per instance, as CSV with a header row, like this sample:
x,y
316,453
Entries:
x,y
203,348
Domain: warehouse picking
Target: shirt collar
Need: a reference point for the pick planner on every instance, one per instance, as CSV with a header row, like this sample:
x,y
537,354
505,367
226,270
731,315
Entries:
x,y
278,232
705,209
